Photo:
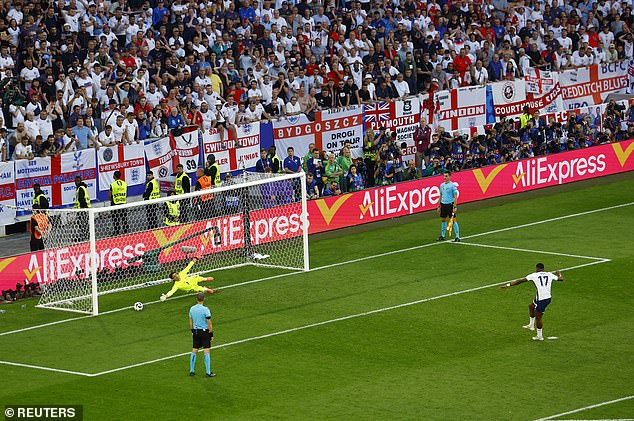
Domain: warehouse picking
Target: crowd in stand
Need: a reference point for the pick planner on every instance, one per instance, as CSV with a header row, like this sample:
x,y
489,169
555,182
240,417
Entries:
x,y
77,74
507,140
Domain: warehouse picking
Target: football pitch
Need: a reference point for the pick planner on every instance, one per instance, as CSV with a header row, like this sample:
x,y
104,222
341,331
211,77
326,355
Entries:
x,y
388,324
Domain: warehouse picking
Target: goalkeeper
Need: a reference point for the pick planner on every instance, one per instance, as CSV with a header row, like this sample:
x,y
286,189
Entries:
x,y
185,282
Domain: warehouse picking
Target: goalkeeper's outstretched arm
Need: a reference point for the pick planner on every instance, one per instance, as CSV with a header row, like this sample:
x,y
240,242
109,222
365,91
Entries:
x,y
185,271
169,293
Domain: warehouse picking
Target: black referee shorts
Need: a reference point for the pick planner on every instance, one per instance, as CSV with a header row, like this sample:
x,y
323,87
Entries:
x,y
446,209
201,339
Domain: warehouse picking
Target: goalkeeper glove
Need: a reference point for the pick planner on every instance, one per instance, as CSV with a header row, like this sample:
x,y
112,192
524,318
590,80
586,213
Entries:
x,y
163,297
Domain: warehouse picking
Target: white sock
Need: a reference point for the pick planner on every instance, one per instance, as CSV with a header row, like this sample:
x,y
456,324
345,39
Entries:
x,y
539,333
531,322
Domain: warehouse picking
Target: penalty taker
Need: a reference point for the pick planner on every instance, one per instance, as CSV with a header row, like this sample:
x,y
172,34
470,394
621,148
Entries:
x,y
184,282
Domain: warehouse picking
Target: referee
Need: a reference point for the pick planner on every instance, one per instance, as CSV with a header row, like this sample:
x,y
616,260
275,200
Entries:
x,y
202,333
448,206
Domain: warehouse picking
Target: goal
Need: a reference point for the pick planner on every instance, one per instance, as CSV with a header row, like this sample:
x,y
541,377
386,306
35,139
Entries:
x,y
252,219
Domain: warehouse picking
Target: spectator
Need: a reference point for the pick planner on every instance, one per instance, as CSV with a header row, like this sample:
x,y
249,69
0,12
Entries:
x,y
354,180
83,134
332,169
312,189
332,189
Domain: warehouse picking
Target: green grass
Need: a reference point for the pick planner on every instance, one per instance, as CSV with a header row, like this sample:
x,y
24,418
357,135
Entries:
x,y
462,356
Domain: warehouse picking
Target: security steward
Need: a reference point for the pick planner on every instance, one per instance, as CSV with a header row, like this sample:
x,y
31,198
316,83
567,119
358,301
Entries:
x,y
205,202
152,192
38,228
172,211
182,185
82,201
369,157
39,199
276,167
212,169
119,196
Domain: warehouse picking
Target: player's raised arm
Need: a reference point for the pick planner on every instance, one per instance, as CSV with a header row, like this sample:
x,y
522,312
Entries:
x,y
513,283
560,277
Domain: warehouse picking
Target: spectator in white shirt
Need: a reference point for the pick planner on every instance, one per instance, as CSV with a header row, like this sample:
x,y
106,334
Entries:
x,y
402,88
28,74
606,36
45,124
23,149
480,75
266,87
131,126
564,40
31,126
152,95
208,116
118,129
293,107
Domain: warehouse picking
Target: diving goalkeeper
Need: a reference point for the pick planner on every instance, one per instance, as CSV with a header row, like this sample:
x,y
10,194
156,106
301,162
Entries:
x,y
187,283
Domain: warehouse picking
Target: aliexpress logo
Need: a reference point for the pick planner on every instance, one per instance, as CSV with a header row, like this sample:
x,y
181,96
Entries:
x,y
328,212
162,239
621,154
485,181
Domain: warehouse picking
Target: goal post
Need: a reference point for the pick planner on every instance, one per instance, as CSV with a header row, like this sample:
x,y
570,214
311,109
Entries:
x,y
252,219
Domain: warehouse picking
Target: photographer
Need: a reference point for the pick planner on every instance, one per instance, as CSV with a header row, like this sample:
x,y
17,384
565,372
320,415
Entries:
x,y
380,173
437,145
413,172
435,168
468,163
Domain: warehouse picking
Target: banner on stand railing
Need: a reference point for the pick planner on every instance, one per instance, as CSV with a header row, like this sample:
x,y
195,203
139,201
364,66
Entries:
x,y
7,193
56,176
461,108
128,159
329,132
233,155
587,86
187,149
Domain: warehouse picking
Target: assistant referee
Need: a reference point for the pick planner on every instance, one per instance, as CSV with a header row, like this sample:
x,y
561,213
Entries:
x,y
448,206
202,333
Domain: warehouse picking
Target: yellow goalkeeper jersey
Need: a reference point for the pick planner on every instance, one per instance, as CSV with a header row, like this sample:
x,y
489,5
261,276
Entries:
x,y
186,283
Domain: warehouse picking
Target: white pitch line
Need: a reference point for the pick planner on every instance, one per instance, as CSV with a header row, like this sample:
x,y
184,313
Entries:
x,y
596,405
328,266
534,251
558,218
295,329
39,367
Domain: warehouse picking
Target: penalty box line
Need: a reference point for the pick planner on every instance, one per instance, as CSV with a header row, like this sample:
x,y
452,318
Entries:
x,y
553,253
573,215
282,332
596,405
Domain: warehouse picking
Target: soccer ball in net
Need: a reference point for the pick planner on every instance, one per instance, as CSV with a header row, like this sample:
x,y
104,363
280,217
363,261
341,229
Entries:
x,y
138,306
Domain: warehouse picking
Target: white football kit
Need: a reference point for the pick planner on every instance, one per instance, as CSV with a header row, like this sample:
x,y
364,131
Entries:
x,y
543,282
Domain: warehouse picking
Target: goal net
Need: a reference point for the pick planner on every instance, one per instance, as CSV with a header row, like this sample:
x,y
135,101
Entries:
x,y
252,219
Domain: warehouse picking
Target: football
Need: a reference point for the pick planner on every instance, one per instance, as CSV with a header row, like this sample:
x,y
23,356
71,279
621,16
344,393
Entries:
x,y
138,306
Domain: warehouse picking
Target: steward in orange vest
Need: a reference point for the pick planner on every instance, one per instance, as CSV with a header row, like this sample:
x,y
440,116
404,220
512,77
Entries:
x,y
39,226
203,183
